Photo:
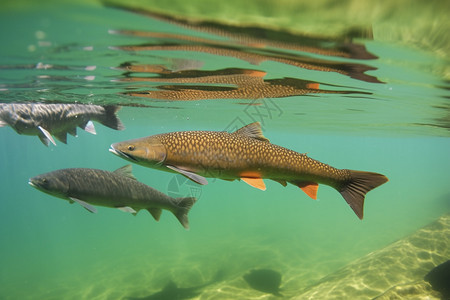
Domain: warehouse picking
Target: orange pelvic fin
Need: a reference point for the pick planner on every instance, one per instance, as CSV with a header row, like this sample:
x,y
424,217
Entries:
x,y
255,182
313,86
310,188
256,73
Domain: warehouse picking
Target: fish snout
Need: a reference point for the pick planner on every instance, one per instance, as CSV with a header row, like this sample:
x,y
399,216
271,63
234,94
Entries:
x,y
30,182
117,152
113,150
38,182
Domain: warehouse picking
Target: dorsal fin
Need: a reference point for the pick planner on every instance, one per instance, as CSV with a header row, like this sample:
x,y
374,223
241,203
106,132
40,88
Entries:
x,y
125,171
252,130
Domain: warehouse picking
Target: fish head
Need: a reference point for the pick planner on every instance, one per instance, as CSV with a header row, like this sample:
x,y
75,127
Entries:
x,y
7,118
51,183
148,151
18,117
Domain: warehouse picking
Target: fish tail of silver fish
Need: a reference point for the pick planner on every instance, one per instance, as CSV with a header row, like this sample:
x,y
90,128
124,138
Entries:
x,y
110,119
182,207
354,189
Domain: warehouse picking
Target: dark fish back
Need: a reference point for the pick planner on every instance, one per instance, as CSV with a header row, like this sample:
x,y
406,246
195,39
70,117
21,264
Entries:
x,y
99,183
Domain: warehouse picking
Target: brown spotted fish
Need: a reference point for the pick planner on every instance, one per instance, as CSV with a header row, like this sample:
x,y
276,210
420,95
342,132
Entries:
x,y
247,155
45,120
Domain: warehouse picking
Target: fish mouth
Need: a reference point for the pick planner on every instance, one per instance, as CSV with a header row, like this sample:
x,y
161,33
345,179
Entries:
x,y
35,184
32,183
120,153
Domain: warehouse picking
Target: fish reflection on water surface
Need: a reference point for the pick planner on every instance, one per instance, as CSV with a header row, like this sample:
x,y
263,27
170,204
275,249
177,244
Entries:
x,y
248,43
45,120
230,83
258,37
352,70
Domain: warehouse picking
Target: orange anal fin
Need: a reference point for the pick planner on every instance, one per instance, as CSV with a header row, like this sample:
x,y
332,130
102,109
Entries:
x,y
255,182
310,188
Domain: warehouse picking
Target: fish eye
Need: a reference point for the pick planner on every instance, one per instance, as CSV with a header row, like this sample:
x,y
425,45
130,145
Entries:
x,y
130,148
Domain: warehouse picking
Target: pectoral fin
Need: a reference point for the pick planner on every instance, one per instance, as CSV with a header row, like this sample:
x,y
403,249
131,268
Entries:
x,y
85,205
47,137
192,176
255,182
310,188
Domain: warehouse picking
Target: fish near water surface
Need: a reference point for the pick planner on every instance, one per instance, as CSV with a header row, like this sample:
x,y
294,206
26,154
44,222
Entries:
x,y
118,189
45,120
247,155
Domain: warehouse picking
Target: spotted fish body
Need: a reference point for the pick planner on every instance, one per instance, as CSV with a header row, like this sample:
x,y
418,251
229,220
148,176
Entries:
x,y
45,120
118,189
245,154
230,156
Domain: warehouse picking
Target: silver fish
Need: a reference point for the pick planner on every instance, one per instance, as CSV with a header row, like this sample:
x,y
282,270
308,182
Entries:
x,y
45,120
118,189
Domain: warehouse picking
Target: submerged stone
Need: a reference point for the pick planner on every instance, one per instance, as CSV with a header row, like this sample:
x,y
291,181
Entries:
x,y
439,278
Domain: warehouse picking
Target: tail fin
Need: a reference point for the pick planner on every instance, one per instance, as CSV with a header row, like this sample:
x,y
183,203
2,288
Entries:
x,y
355,190
110,119
182,207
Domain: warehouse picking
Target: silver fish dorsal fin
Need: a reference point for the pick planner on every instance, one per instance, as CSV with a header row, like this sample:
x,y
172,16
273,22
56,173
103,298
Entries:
x,y
126,171
252,130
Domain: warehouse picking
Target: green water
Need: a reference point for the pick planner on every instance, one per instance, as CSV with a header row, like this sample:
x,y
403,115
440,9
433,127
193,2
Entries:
x,y
52,250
